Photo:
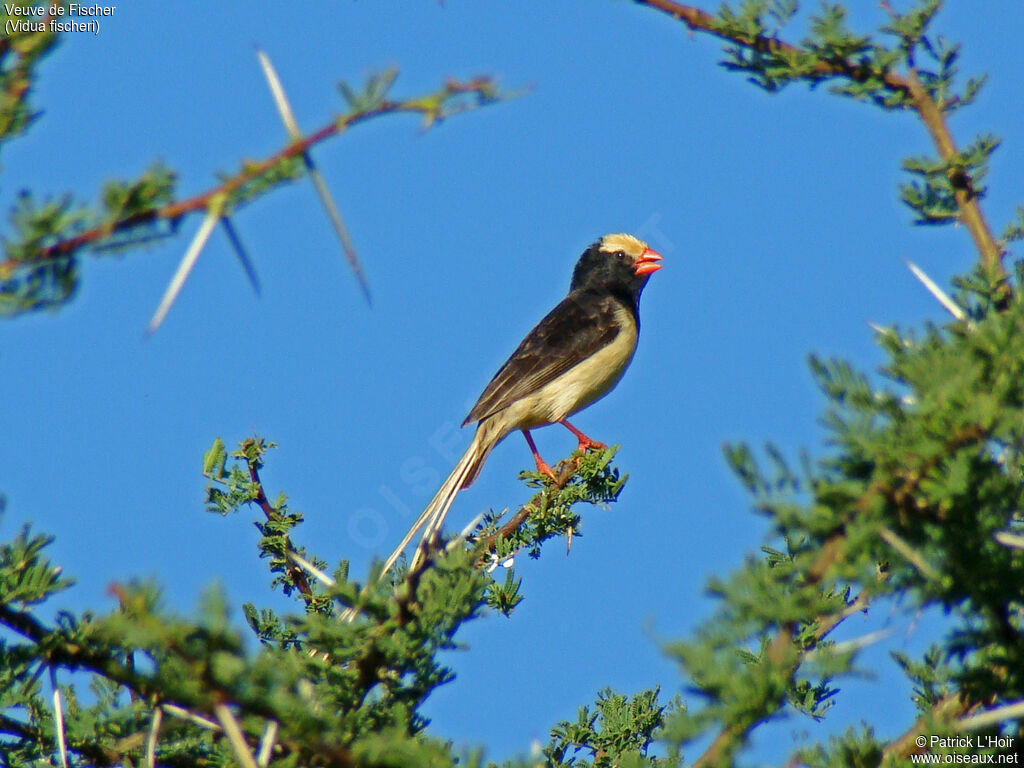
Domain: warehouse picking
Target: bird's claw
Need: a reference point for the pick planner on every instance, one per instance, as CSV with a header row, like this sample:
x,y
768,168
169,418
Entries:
x,y
545,469
587,444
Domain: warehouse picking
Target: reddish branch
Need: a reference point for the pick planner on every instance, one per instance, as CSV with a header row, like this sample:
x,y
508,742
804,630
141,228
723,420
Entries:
x,y
567,472
929,112
295,573
430,106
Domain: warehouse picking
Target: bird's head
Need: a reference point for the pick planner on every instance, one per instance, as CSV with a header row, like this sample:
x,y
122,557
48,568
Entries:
x,y
617,262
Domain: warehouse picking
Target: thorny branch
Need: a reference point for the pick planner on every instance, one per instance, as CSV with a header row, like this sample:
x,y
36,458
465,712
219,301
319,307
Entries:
x,y
298,576
567,470
783,651
432,107
970,211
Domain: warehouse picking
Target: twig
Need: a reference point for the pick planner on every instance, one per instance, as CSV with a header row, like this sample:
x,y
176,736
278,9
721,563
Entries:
x,y
568,469
297,574
825,625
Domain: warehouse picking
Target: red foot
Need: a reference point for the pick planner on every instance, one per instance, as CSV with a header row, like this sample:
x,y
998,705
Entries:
x,y
585,443
542,466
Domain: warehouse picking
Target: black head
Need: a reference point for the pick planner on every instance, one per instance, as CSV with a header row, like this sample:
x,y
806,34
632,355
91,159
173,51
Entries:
x,y
619,263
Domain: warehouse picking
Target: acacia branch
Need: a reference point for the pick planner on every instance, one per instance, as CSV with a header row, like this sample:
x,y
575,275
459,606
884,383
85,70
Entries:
x,y
57,649
567,471
432,107
783,652
970,211
295,573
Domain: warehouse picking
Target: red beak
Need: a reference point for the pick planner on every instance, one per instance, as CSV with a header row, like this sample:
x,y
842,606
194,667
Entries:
x,y
647,263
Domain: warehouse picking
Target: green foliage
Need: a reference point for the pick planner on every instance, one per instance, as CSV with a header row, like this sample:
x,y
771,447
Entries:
x,y
372,94
27,283
932,193
1015,229
933,677
551,512
260,180
591,479
618,731
855,748
923,476
25,577
341,682
867,70
914,504
22,48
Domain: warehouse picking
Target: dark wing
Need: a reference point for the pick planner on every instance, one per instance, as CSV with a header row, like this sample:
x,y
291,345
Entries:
x,y
574,330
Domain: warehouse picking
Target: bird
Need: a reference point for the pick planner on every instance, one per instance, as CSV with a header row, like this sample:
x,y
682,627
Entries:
x,y
572,358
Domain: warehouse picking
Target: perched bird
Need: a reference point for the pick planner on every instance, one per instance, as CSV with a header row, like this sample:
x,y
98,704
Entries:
x,y
573,357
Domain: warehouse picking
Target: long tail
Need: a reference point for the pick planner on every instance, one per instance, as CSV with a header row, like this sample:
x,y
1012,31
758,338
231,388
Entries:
x,y
462,476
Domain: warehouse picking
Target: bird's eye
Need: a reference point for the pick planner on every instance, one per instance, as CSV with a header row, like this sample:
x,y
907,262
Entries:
x,y
620,254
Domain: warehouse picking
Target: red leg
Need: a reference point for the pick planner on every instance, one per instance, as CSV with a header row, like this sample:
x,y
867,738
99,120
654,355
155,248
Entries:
x,y
585,442
542,466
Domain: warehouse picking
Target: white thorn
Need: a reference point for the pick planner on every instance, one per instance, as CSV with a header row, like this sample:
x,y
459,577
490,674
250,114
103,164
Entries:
x,y
316,572
991,717
154,731
464,533
1008,539
235,736
339,226
277,91
941,296
291,125
184,268
850,646
58,721
184,714
896,542
267,744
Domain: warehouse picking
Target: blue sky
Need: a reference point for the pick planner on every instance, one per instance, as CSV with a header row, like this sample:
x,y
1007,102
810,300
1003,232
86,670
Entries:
x,y
782,233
